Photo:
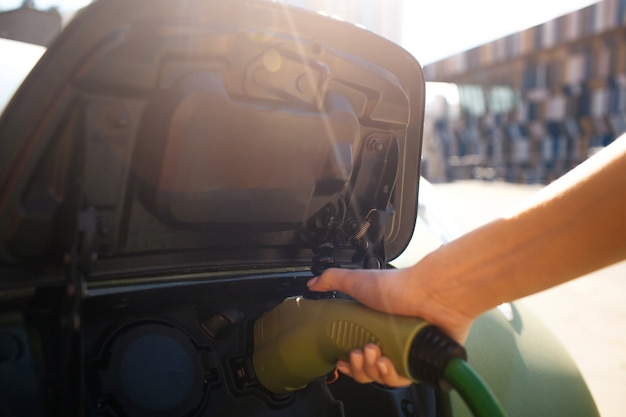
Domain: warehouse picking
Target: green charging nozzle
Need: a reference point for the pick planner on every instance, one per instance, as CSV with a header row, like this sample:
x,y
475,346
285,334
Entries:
x,y
300,340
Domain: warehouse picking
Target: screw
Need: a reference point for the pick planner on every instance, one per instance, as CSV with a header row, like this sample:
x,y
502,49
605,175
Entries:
x,y
375,145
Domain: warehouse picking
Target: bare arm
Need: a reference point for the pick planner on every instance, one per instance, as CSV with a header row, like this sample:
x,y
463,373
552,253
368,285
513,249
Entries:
x,y
574,226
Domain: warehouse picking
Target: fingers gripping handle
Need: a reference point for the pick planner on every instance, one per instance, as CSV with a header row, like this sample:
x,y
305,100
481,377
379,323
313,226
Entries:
x,y
300,340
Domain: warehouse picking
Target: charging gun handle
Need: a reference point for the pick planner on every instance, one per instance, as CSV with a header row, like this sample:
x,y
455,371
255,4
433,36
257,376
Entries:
x,y
301,340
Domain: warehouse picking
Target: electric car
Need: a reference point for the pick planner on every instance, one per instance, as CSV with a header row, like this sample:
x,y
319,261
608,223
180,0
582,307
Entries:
x,y
171,171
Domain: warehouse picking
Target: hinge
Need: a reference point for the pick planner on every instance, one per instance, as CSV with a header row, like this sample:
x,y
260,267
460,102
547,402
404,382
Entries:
x,y
79,262
84,251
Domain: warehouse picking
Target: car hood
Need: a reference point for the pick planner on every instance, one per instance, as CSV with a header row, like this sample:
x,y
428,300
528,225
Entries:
x,y
160,135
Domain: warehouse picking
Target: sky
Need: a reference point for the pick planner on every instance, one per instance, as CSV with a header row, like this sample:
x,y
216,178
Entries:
x,y
436,29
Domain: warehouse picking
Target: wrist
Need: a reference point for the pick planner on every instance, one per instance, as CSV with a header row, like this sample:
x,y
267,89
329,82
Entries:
x,y
440,300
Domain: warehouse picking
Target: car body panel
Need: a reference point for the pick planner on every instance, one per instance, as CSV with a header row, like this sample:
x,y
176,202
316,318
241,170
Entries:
x,y
526,367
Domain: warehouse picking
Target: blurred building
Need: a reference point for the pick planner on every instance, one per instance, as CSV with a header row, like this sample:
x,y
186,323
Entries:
x,y
380,16
536,103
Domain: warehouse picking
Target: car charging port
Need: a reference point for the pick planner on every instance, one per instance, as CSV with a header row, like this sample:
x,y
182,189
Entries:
x,y
245,383
243,374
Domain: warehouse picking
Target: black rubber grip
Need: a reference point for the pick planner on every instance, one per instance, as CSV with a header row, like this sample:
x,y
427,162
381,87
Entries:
x,y
429,354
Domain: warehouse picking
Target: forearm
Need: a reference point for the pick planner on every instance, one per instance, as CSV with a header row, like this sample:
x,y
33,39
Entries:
x,y
574,226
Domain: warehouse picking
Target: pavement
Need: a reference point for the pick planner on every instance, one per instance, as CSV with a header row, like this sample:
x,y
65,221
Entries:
x,y
588,314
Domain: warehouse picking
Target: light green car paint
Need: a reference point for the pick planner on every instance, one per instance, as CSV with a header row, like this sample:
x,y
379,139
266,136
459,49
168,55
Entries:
x,y
528,370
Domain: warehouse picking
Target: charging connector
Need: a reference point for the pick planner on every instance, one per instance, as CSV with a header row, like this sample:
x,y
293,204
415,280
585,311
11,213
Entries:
x,y
300,340
430,352
438,360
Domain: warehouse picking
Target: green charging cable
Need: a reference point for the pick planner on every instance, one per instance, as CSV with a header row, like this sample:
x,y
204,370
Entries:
x,y
476,394
438,360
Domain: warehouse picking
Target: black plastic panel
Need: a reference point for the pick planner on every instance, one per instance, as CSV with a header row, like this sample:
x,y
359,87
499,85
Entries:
x,y
234,126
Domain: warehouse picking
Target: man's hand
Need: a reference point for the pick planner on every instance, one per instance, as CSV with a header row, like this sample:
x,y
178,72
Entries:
x,y
395,291
368,365
411,292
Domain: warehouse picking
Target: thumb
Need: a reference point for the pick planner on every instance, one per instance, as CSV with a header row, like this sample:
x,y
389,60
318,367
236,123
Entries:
x,y
382,290
331,279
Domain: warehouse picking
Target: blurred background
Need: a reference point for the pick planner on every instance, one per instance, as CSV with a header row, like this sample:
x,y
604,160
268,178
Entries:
x,y
518,92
